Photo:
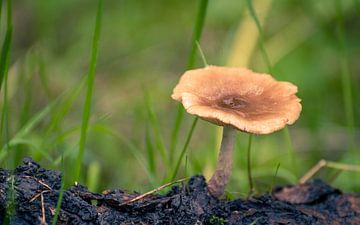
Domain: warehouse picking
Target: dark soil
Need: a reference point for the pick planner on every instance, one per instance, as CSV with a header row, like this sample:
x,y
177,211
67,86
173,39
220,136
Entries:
x,y
36,191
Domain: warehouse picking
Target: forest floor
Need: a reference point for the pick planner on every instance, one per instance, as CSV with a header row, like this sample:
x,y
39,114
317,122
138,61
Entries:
x,y
29,194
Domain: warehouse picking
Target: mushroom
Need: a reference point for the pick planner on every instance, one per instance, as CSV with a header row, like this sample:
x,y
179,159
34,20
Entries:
x,y
237,99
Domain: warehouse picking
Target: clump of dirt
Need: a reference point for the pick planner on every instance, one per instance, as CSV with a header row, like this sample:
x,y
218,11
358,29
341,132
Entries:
x,y
29,194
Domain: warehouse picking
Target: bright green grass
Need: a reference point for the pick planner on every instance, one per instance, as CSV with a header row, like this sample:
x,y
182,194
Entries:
x,y
4,66
199,25
89,90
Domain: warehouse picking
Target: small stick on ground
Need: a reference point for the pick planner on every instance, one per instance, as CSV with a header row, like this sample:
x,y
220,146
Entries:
x,y
151,192
37,195
41,194
323,163
43,220
47,186
40,182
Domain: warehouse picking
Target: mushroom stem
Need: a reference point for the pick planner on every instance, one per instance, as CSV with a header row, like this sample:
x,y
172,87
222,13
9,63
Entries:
x,y
218,181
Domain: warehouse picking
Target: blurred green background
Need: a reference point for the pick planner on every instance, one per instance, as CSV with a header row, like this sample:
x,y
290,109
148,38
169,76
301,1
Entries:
x,y
144,48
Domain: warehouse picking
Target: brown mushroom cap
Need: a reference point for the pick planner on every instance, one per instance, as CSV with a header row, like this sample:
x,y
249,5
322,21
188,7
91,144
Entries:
x,y
248,101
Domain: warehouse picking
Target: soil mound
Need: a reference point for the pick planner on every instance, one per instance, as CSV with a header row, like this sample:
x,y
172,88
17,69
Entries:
x,y
29,194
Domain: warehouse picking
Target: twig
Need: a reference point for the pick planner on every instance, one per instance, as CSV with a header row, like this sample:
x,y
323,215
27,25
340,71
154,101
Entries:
x,y
41,182
323,163
47,186
35,197
312,171
151,192
43,220
250,179
41,194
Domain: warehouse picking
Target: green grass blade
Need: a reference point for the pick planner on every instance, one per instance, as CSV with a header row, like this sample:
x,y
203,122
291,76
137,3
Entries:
x,y
261,36
93,175
291,152
202,55
61,192
11,201
42,75
199,25
61,137
5,51
4,125
4,67
183,151
345,75
130,145
28,127
150,152
89,92
26,84
175,131
24,142
274,177
154,122
64,108
249,174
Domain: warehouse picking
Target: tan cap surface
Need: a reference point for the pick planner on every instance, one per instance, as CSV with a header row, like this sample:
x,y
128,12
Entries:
x,y
248,101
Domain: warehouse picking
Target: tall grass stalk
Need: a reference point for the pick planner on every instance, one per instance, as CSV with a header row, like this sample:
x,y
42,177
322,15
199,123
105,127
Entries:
x,y
345,75
270,69
150,151
189,136
199,25
261,36
251,184
155,125
26,76
4,67
5,50
274,178
11,201
183,151
27,128
89,92
131,146
42,74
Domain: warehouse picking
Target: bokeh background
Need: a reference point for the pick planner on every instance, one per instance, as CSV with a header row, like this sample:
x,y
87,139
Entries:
x,y
144,48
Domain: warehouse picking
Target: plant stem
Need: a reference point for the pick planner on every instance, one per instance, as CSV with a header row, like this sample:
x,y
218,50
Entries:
x,y
261,36
200,20
4,67
89,91
199,25
222,173
188,138
251,184
346,79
